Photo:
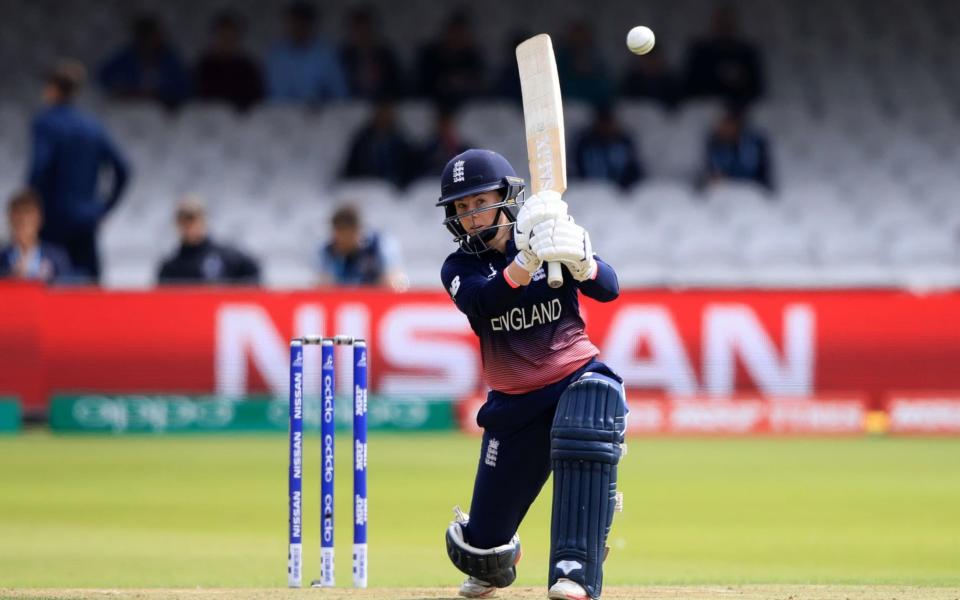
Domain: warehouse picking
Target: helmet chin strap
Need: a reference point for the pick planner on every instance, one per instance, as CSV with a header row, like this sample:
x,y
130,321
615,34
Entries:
x,y
489,233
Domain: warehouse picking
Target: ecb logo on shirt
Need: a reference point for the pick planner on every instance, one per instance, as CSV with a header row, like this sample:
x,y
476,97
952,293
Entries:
x,y
454,286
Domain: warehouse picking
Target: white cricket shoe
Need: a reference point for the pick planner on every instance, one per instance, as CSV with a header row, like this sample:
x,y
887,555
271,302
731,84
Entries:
x,y
567,589
477,588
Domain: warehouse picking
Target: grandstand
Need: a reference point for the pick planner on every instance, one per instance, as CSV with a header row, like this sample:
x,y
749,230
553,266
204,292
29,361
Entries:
x,y
862,111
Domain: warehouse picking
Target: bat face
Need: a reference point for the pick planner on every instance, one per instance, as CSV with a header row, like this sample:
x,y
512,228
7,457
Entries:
x,y
542,114
543,120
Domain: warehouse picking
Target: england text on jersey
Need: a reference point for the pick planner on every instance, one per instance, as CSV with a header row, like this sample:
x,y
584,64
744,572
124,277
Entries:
x,y
525,317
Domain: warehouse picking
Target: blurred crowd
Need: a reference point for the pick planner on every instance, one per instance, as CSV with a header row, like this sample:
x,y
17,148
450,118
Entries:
x,y
78,174
454,67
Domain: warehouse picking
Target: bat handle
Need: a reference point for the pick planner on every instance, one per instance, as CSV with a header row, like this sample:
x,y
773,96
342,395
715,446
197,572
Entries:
x,y
554,275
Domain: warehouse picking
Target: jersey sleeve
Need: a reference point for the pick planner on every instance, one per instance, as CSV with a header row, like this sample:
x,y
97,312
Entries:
x,y
604,287
474,294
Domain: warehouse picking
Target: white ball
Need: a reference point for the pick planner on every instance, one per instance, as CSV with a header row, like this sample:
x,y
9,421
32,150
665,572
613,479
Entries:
x,y
640,39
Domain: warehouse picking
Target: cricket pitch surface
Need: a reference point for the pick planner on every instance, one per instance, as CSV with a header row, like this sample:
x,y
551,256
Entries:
x,y
721,592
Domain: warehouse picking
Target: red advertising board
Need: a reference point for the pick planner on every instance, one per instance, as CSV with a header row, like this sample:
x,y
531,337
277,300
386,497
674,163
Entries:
x,y
694,343
747,416
656,415
923,412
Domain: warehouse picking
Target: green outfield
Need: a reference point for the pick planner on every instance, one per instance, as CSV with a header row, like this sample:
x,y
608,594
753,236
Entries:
x,y
210,511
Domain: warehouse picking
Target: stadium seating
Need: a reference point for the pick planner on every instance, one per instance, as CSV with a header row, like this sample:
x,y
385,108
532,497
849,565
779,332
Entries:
x,y
865,151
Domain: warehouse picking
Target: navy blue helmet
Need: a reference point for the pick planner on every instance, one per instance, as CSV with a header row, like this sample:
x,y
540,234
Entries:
x,y
474,172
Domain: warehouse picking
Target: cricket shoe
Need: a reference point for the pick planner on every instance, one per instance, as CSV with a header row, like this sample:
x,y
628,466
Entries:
x,y
477,588
567,589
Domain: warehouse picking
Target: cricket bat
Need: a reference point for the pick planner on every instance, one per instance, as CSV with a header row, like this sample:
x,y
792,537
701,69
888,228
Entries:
x,y
543,121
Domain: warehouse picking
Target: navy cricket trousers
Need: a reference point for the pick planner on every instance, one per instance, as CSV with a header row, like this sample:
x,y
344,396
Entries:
x,y
515,457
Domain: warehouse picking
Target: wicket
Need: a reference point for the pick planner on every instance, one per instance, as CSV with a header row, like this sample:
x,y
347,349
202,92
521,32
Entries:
x,y
327,434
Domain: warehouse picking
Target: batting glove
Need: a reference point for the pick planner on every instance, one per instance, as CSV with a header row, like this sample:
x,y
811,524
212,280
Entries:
x,y
526,257
568,243
545,206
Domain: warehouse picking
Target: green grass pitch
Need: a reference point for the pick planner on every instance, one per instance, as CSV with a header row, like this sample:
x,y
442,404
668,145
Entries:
x,y
210,511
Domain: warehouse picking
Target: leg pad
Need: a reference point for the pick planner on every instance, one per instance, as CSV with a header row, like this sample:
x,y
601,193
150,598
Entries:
x,y
586,445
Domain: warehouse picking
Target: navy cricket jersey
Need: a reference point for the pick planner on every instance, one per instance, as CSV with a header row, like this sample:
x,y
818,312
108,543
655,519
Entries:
x,y
530,336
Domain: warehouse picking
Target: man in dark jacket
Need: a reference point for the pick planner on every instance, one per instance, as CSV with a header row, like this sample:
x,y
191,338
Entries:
x,y
70,148
724,65
734,150
446,142
225,71
606,151
380,149
370,64
451,68
148,67
200,260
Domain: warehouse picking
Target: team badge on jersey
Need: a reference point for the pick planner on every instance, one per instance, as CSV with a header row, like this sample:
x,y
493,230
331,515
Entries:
x,y
454,286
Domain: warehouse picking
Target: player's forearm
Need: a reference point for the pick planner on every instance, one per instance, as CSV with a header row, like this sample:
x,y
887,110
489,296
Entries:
x,y
517,275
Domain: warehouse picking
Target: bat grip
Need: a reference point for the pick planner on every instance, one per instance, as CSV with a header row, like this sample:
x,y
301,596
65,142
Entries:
x,y
554,275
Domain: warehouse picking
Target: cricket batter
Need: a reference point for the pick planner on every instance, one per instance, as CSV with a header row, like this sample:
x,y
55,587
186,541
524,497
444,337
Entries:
x,y
552,403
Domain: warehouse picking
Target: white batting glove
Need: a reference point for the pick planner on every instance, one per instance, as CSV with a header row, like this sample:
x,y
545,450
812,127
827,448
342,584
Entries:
x,y
526,258
566,242
585,269
558,240
541,207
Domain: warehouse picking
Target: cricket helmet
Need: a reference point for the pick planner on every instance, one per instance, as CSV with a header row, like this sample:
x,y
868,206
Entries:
x,y
474,172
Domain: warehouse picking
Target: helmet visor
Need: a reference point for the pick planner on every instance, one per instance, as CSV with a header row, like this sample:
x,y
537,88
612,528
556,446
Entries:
x,y
477,240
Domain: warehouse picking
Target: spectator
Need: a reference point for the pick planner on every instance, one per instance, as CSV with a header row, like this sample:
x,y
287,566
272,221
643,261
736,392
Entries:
x,y
583,73
381,150
302,67
225,71
445,144
736,151
200,260
26,257
649,77
605,151
724,65
372,68
451,69
70,149
353,257
147,68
